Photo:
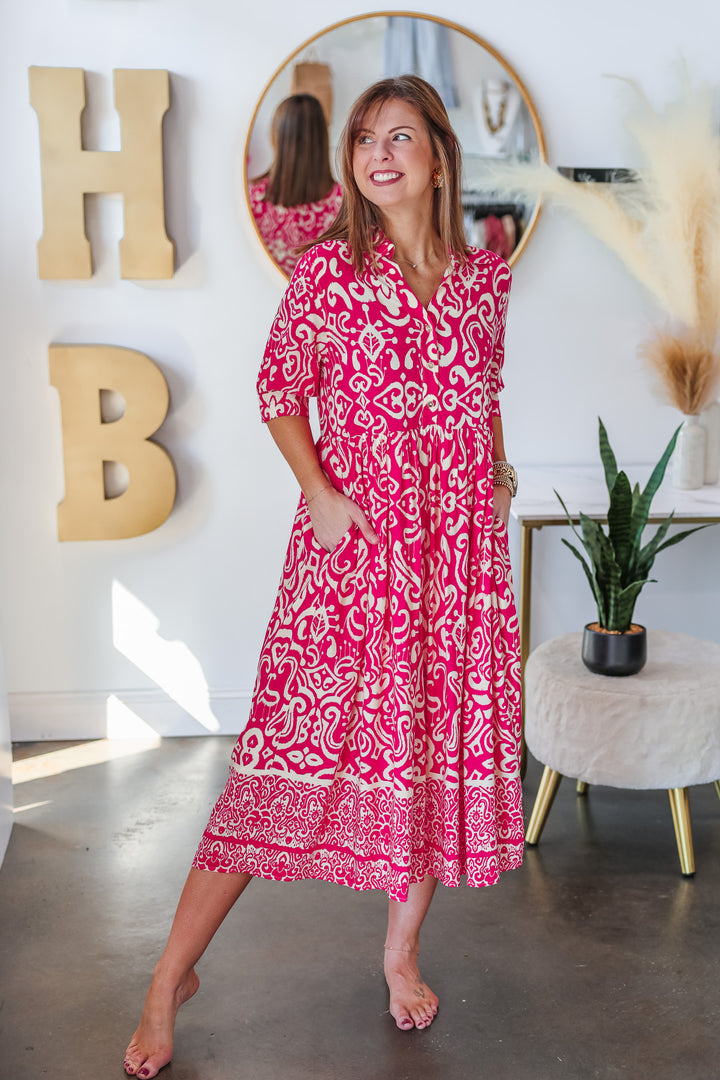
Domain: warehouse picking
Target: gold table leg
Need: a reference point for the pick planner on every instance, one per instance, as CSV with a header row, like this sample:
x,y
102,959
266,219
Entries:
x,y
717,788
582,787
543,801
680,806
526,539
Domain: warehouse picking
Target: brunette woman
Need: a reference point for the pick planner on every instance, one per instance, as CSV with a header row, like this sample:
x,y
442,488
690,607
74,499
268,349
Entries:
x,y
296,200
382,746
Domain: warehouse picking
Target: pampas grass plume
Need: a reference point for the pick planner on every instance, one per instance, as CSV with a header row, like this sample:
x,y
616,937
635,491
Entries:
x,y
665,226
686,368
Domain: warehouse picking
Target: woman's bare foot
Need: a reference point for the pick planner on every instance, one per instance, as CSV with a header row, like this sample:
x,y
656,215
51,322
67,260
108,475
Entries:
x,y
152,1044
412,1002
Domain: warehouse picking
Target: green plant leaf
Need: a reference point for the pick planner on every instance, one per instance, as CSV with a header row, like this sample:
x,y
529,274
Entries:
x,y
642,508
619,518
687,532
646,556
599,601
607,457
626,605
607,571
570,521
635,496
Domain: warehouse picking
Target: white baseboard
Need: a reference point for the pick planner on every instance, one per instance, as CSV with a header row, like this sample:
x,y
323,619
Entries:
x,y
100,714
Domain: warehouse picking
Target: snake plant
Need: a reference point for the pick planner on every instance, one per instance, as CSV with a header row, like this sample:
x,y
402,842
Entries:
x,y
618,563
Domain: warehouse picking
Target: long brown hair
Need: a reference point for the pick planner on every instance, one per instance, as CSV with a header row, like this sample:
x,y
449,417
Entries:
x,y
300,172
358,218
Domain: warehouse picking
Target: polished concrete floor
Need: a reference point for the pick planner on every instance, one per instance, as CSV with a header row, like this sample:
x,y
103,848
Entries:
x,y
596,959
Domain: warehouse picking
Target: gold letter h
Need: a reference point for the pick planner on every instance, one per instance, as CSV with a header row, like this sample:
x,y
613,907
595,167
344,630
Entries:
x,y
69,172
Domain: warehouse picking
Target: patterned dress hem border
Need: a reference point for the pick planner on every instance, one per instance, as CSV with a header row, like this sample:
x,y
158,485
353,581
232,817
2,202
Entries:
x,y
375,874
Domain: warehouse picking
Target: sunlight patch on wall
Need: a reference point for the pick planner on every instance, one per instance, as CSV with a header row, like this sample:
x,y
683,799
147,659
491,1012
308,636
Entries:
x,y
123,723
170,664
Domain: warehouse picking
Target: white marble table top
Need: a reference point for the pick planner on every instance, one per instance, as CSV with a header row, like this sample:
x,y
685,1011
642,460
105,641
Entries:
x,y
583,488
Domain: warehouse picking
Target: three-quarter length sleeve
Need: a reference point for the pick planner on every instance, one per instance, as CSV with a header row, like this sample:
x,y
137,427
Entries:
x,y
289,373
501,281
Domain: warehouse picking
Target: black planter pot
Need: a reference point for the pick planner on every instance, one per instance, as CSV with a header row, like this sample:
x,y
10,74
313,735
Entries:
x,y
614,654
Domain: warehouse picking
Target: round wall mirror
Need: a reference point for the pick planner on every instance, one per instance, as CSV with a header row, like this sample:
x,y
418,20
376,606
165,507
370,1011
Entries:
x,y
310,96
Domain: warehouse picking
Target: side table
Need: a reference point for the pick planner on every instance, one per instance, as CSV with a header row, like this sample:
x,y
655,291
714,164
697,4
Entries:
x,y
657,729
583,488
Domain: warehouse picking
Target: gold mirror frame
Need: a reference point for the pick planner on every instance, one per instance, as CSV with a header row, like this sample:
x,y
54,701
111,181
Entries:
x,y
517,251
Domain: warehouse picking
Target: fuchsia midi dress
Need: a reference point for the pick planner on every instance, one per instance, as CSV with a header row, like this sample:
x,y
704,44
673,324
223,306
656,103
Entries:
x,y
383,738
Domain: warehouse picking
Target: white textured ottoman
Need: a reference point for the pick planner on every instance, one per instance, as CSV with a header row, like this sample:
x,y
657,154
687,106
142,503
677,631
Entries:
x,y
657,729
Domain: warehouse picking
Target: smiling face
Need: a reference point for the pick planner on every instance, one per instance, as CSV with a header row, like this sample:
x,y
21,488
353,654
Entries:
x,y
393,158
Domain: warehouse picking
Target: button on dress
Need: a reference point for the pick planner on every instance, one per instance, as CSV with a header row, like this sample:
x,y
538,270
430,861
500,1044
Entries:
x,y
383,738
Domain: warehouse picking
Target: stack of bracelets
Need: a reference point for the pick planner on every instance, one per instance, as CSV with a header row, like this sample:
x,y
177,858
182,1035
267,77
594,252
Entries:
x,y
505,474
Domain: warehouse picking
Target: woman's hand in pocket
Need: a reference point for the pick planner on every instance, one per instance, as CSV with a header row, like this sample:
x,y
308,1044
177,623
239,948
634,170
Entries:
x,y
333,514
501,503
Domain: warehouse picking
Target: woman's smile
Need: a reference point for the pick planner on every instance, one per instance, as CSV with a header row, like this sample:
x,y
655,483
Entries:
x,y
384,178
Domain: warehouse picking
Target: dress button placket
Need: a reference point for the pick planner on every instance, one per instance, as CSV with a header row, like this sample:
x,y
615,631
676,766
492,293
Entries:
x,y
431,384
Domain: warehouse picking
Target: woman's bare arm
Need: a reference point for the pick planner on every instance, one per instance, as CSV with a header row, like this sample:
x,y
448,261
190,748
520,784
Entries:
x,y
501,494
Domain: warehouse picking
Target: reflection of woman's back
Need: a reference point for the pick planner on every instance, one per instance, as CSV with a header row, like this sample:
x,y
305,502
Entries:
x,y
296,200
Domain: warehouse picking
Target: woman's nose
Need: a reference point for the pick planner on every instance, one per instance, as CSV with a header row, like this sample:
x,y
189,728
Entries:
x,y
384,150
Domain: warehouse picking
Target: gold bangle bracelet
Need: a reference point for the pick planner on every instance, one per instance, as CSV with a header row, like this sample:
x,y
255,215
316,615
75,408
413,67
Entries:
x,y
504,473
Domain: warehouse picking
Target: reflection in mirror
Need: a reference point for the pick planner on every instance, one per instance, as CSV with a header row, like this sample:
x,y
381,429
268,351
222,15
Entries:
x,y
488,107
296,198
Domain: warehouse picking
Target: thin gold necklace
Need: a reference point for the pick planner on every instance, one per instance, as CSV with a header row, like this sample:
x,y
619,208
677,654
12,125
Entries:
x,y
420,262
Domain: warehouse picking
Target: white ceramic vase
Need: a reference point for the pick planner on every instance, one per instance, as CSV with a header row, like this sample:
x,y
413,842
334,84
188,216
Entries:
x,y
688,471
710,420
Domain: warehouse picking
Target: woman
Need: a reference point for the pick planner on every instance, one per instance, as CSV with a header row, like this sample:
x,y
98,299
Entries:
x,y
382,747
296,200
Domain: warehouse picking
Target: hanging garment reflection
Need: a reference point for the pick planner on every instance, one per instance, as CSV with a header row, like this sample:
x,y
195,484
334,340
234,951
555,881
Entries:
x,y
297,199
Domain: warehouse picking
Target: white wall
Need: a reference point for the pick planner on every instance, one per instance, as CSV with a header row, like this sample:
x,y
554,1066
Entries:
x,y
6,790
191,600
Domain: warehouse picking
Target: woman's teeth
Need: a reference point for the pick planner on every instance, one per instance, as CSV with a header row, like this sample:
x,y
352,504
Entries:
x,y
383,177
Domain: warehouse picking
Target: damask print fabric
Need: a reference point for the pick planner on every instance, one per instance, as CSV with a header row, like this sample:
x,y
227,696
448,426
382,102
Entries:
x,y
383,738
285,228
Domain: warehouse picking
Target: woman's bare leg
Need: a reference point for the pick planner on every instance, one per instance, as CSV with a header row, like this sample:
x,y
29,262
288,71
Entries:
x,y
204,903
412,1002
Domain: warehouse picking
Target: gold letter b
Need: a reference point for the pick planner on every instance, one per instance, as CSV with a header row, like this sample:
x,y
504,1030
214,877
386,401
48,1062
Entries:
x,y
79,373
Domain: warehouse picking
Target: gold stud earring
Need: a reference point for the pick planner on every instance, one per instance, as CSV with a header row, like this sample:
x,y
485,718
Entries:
x,y
437,178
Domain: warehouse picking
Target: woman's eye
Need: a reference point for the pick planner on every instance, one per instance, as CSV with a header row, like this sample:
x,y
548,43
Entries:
x,y
363,140
402,135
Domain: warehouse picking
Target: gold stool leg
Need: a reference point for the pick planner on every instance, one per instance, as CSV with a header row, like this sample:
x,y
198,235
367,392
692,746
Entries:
x,y
582,787
543,801
680,806
717,788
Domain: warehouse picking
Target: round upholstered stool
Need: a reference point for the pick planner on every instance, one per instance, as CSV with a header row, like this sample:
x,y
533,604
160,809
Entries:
x,y
657,729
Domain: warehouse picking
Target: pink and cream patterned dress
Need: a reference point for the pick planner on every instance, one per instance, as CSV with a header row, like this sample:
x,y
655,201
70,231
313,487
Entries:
x,y
383,738
285,228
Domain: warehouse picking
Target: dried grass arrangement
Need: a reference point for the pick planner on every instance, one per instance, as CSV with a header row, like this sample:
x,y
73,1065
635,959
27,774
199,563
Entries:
x,y
686,369
664,226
